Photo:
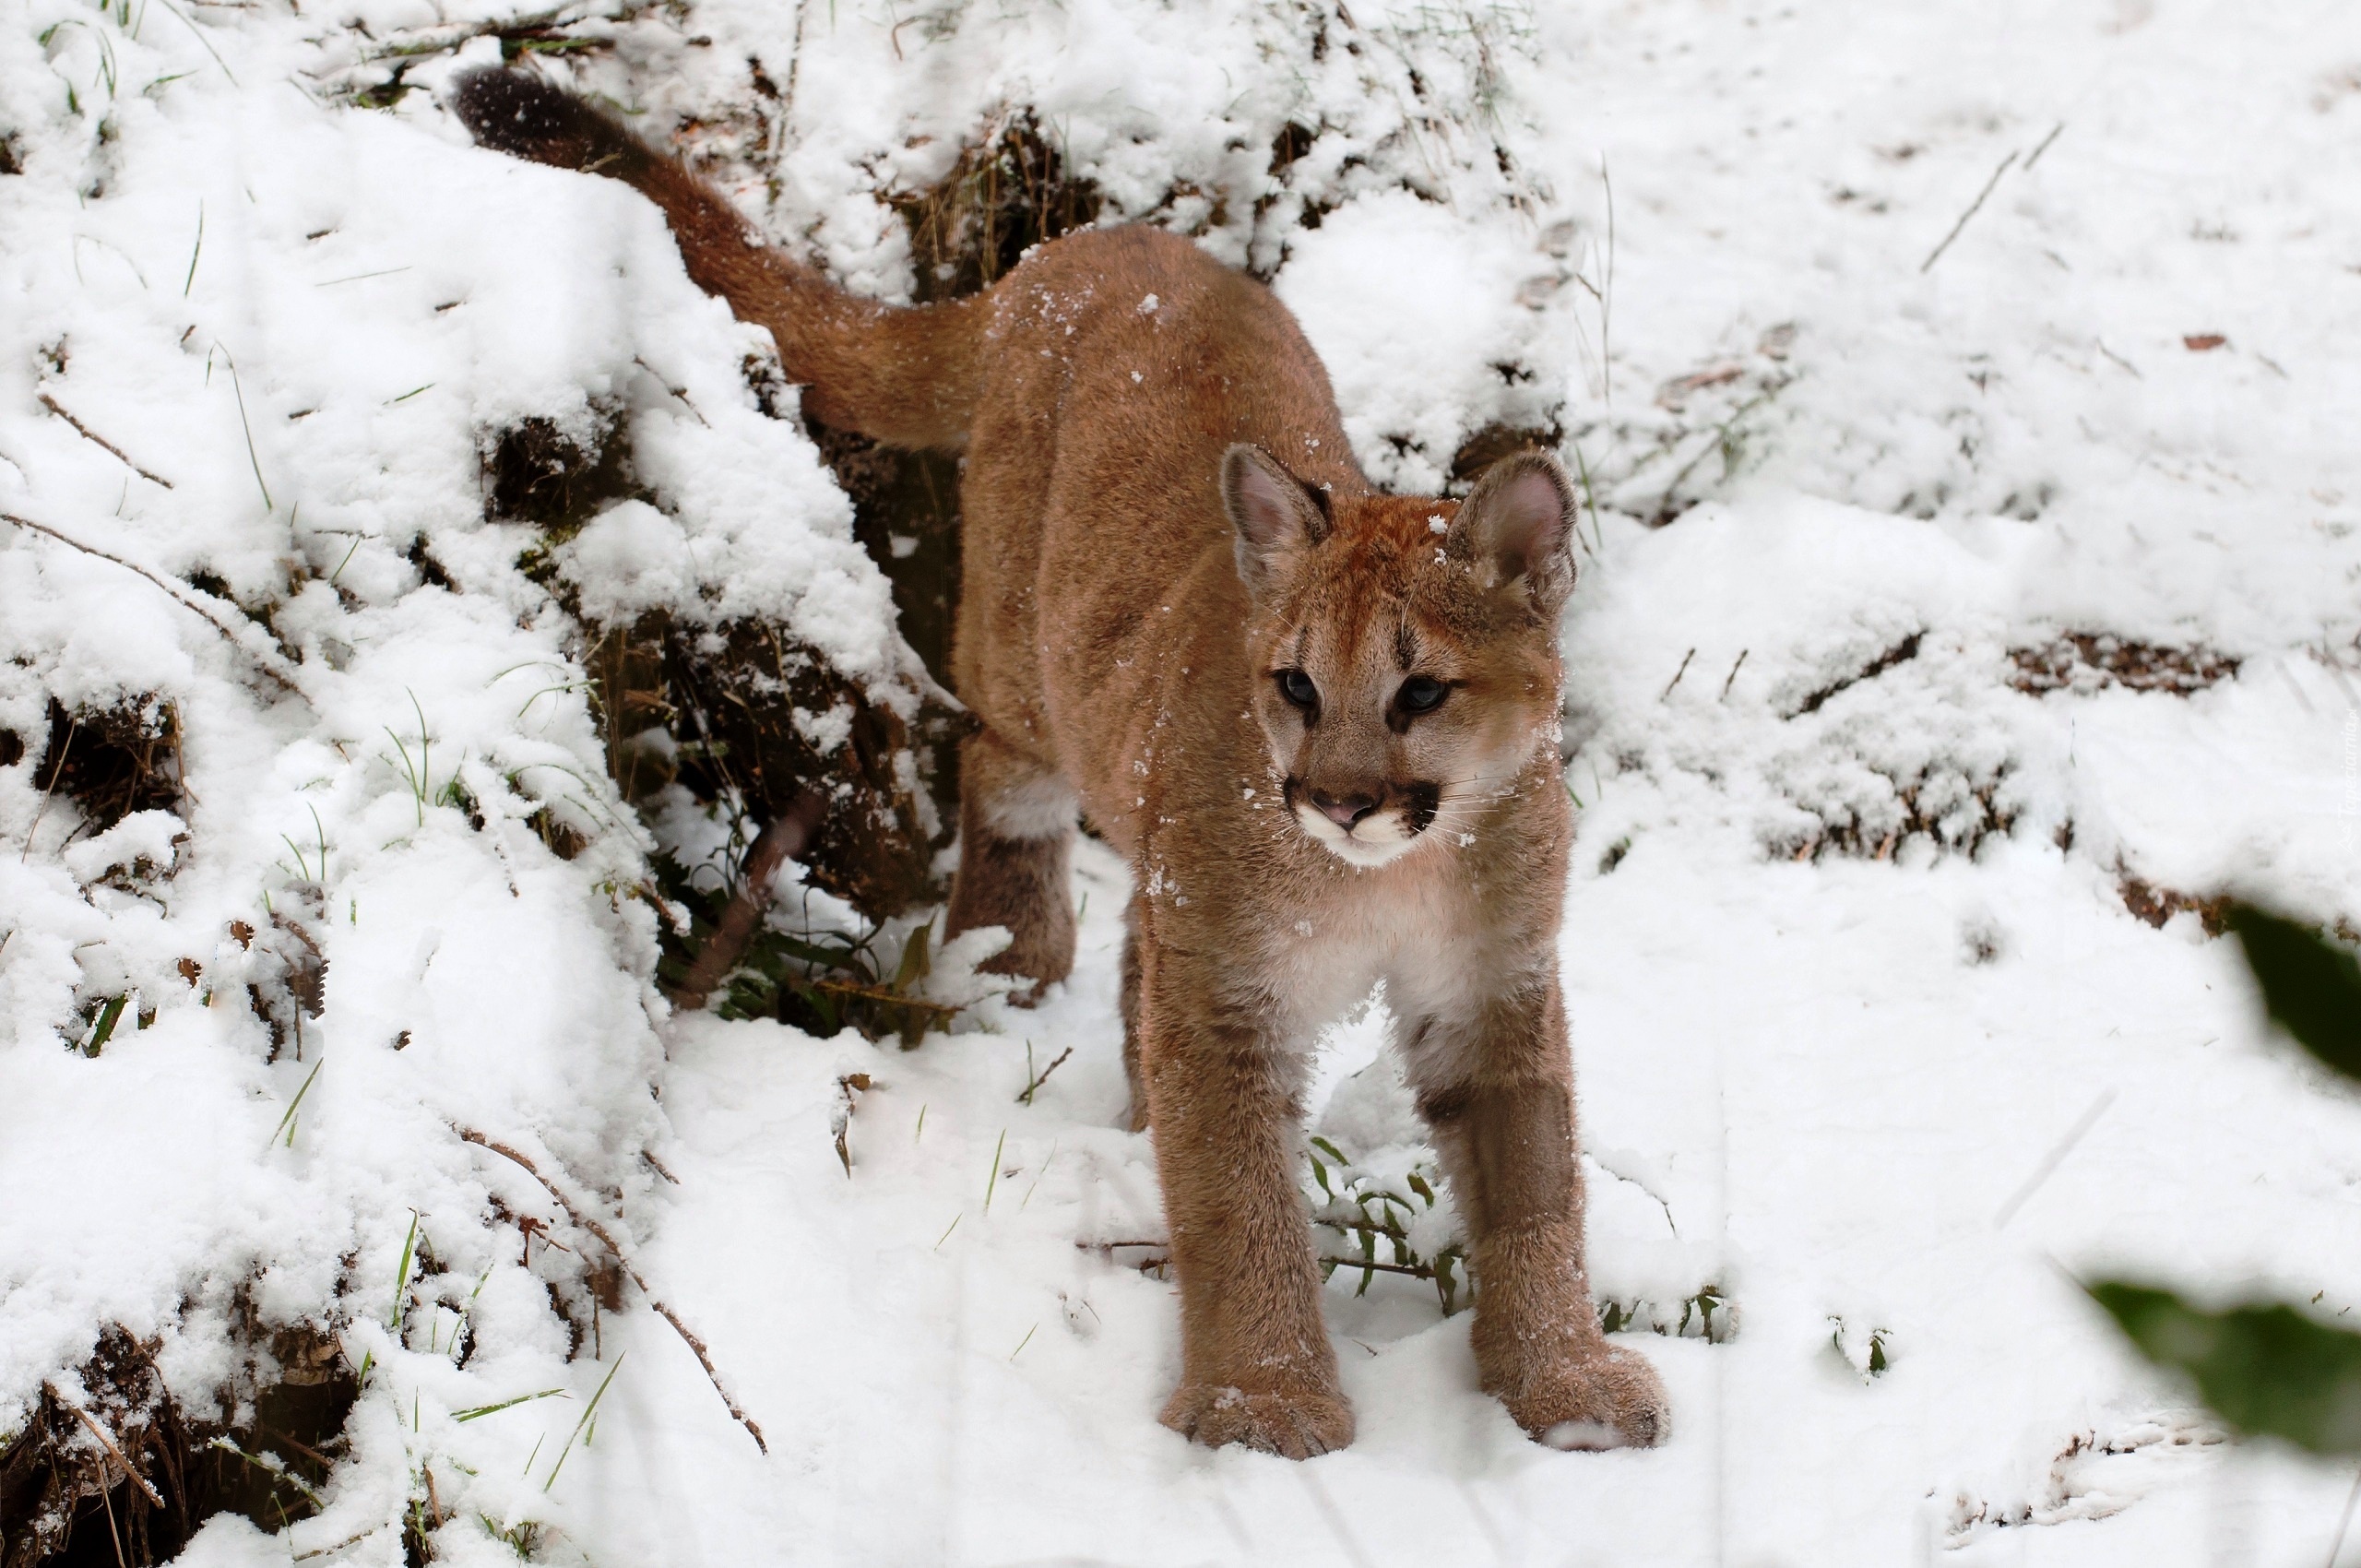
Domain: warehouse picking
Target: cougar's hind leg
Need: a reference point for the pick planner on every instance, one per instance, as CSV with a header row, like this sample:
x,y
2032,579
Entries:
x,y
1015,829
1138,1116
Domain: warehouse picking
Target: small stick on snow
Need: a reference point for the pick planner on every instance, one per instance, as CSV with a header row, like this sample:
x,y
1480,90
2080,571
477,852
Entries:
x,y
1027,1098
778,843
1677,675
1734,670
1936,255
2036,156
100,1434
2118,359
622,1260
87,433
271,664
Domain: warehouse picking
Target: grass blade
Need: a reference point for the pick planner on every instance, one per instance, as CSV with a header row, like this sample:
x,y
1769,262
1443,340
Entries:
x,y
287,1124
589,1411
482,1411
401,1276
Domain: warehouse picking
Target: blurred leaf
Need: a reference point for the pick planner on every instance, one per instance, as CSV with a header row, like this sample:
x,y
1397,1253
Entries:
x,y
916,963
2311,985
837,957
2265,1370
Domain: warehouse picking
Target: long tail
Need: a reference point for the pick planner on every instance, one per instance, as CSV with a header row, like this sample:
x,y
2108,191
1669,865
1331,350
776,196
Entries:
x,y
906,377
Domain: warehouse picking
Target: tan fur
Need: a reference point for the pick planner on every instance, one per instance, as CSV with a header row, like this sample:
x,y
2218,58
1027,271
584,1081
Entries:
x,y
1163,517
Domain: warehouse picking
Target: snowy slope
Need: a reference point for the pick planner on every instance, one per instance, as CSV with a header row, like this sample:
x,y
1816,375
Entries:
x,y
1871,1044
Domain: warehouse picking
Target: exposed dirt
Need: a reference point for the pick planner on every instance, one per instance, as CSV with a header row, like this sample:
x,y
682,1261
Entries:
x,y
2156,904
2089,661
67,1499
112,761
1954,815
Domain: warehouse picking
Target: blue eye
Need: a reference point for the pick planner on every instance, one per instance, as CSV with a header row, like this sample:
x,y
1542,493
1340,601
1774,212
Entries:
x,y
1296,687
1420,694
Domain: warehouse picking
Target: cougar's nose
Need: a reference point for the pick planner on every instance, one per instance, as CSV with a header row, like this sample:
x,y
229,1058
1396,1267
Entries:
x,y
1345,810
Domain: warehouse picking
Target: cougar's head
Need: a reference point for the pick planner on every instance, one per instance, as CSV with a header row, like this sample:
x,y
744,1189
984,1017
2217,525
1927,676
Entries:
x,y
1405,650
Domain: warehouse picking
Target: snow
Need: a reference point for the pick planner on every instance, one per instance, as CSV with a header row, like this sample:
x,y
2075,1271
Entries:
x,y
1848,953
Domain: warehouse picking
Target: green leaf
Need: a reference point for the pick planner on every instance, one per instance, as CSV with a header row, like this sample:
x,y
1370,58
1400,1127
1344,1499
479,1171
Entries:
x,y
2311,986
109,1015
915,961
2263,1369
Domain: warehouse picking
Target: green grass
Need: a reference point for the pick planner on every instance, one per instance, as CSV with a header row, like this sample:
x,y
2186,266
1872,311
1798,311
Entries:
x,y
394,1314
286,1125
590,1414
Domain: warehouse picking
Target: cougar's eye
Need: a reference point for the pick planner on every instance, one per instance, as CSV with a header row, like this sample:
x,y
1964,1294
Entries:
x,y
1420,694
1296,687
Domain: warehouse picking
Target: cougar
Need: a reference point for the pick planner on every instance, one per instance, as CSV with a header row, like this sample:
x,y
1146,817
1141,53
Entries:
x,y
1320,723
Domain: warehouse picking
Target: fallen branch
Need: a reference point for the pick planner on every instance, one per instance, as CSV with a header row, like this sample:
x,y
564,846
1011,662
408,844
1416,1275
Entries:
x,y
271,664
54,406
622,1260
779,842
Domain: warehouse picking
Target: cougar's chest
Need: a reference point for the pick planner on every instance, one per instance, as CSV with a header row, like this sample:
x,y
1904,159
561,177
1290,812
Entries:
x,y
1411,925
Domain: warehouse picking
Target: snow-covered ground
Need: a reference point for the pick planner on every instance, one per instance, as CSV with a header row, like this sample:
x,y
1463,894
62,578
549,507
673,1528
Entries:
x,y
1873,1051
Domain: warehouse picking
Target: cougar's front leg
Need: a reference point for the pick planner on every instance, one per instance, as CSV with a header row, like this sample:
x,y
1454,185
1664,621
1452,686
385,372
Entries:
x,y
1015,830
1497,1090
1256,1365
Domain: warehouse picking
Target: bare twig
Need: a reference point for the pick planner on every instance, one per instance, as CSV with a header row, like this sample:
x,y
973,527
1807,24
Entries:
x,y
1027,1098
100,1434
794,72
56,772
622,1260
778,842
1677,675
87,433
1734,670
1936,255
272,664
2036,156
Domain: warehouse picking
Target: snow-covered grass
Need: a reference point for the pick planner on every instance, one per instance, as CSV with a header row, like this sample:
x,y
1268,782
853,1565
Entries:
x,y
1874,1057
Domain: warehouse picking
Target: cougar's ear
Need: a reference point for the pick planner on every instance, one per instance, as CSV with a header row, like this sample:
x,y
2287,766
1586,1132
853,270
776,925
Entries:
x,y
1273,511
1520,521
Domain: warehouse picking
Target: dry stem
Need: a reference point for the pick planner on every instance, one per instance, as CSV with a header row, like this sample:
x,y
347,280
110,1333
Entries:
x,y
271,663
54,406
778,842
622,1259
100,1434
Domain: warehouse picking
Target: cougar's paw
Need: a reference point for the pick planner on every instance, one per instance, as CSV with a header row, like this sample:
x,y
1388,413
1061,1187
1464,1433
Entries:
x,y
1602,1397
1298,1425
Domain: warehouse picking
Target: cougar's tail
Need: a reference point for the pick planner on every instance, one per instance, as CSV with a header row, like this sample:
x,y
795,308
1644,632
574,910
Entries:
x,y
906,377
